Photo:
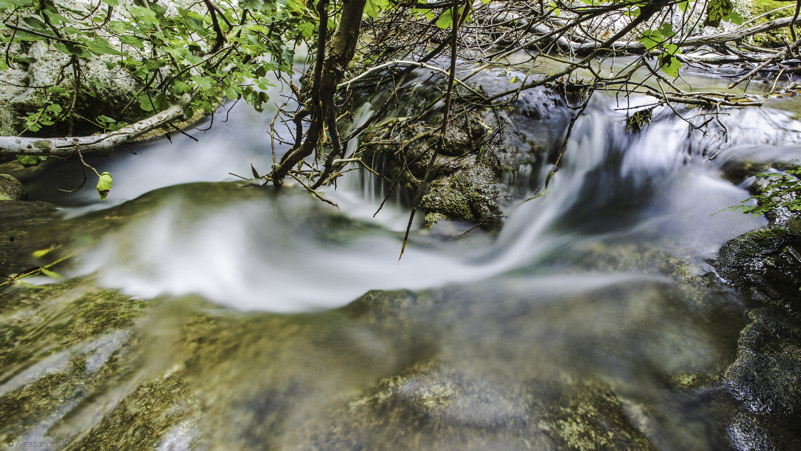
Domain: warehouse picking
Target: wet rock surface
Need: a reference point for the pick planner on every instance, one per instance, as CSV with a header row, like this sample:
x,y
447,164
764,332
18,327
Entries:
x,y
764,378
424,369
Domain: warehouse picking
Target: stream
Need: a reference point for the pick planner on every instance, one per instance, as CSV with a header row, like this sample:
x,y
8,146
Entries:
x,y
234,317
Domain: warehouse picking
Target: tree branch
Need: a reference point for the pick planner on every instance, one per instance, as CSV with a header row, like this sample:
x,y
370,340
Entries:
x,y
95,143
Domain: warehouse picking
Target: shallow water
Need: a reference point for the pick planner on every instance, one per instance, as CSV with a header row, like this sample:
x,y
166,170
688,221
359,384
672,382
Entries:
x,y
592,313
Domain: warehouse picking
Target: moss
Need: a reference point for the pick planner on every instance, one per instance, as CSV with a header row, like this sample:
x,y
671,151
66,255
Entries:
x,y
775,38
143,418
42,321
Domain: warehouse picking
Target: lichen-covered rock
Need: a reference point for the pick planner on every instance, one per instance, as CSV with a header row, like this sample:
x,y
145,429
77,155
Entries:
x,y
103,91
765,377
472,194
11,188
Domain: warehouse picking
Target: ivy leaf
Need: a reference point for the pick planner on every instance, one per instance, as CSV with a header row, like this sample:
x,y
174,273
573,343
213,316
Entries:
x,y
104,185
716,10
669,64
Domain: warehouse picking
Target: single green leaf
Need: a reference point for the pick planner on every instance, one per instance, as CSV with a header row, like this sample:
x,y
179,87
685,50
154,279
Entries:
x,y
445,20
666,30
145,103
42,252
104,185
307,29
669,64
373,7
734,17
35,24
651,39
52,274
30,160
100,46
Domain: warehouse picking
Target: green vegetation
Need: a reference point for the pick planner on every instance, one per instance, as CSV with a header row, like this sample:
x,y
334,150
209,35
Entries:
x,y
781,190
200,50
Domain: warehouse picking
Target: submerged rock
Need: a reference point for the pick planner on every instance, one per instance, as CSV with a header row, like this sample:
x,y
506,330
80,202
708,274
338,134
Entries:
x,y
19,219
433,407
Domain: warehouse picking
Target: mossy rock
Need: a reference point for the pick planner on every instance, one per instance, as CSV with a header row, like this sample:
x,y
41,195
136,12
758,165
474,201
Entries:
x,y
774,38
11,188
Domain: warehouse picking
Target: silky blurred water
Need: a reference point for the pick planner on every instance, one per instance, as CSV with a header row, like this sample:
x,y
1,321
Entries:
x,y
605,279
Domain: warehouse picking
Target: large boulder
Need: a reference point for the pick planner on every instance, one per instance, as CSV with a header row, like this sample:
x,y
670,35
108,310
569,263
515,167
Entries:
x,y
483,154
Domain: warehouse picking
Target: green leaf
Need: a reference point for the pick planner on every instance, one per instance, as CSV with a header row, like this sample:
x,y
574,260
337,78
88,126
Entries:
x,y
669,64
104,185
684,5
52,274
307,29
42,252
145,103
35,24
734,17
30,160
445,19
373,7
666,30
132,41
651,39
716,10
100,46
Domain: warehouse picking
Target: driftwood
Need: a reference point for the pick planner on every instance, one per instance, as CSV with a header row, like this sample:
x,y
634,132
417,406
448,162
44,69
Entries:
x,y
61,147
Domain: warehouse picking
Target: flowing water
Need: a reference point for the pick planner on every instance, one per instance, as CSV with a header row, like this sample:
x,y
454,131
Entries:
x,y
592,319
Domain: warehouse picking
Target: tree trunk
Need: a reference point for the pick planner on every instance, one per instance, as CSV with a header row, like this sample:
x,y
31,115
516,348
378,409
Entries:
x,y
338,54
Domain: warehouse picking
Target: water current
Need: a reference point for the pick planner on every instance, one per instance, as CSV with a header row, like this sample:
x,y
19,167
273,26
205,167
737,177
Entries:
x,y
606,280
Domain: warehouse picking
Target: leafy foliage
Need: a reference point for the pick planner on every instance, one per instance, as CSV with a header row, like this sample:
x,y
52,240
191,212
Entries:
x,y
716,10
199,49
783,190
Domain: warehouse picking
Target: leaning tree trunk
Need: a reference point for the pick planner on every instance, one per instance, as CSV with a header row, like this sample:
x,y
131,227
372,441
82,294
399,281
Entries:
x,y
332,60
